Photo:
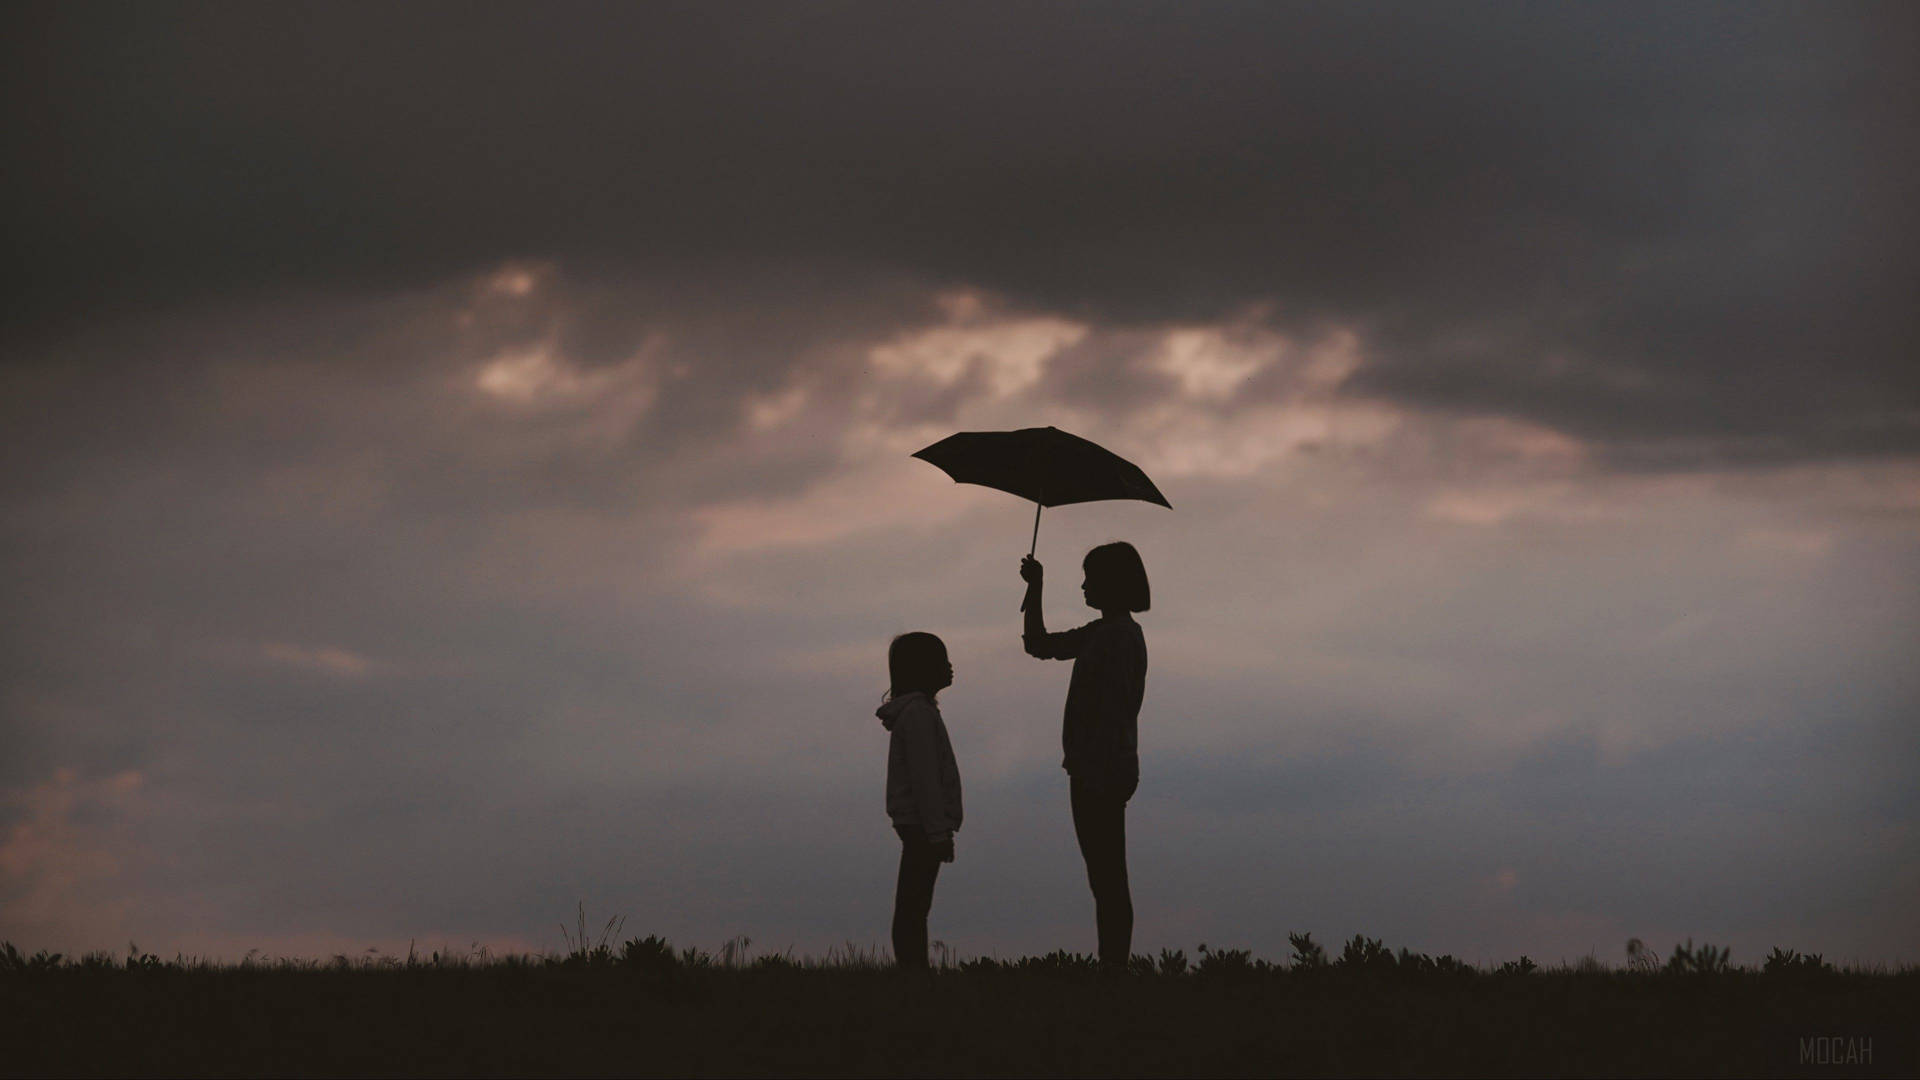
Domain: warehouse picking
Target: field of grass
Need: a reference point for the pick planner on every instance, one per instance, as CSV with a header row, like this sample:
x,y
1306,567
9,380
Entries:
x,y
645,1008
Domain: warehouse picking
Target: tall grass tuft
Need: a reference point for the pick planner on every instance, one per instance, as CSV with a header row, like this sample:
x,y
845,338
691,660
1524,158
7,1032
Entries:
x,y
598,954
1706,960
1640,959
733,953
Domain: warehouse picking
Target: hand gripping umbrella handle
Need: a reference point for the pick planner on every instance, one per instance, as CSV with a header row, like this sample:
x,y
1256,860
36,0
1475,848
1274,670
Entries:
x,y
1035,544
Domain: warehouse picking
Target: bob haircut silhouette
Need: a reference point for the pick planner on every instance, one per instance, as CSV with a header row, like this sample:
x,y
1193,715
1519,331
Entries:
x,y
1116,575
916,661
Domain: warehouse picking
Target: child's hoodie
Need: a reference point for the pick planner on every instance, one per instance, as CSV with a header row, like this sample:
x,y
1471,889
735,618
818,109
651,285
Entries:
x,y
923,780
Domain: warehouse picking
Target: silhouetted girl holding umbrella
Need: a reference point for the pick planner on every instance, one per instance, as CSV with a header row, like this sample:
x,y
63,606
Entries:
x,y
1101,732
1057,468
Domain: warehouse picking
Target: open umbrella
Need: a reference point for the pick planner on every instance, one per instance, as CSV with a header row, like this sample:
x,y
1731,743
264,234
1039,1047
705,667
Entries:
x,y
1045,464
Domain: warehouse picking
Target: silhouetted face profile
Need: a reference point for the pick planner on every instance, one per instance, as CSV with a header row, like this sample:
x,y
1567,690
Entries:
x,y
1116,579
918,661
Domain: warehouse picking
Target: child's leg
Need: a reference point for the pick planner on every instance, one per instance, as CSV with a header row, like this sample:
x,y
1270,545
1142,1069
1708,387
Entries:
x,y
913,898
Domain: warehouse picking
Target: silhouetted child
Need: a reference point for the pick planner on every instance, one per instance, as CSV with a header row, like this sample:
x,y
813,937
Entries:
x,y
1101,730
923,785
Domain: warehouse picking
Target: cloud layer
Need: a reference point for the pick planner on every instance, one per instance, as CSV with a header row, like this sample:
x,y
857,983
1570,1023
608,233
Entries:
x,y
1682,234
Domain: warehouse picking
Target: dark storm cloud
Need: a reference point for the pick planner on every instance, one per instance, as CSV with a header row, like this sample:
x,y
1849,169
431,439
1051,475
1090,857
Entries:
x,y
1682,233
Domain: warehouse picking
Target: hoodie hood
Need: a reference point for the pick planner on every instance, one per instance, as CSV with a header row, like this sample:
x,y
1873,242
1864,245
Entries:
x,y
891,710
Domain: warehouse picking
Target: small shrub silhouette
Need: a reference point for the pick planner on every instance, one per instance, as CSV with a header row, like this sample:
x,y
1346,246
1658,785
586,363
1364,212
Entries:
x,y
12,962
99,961
1706,960
1414,963
1172,962
1059,962
775,962
1365,954
1307,953
1228,964
1522,966
137,960
1788,962
651,955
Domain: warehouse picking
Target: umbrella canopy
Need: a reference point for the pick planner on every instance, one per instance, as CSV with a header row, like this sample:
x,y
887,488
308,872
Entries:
x,y
1045,464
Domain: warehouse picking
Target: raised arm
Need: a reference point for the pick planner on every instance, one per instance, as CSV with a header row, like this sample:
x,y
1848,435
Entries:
x,y
1034,575
1064,645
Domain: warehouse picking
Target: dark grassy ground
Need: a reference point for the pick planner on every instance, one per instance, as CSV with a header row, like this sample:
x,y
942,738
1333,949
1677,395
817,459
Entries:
x,y
649,1011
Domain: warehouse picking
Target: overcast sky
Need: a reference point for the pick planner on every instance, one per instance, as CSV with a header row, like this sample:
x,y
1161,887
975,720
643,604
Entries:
x,y
456,467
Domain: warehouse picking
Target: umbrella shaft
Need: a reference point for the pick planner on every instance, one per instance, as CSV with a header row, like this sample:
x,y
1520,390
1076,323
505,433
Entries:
x,y
1035,545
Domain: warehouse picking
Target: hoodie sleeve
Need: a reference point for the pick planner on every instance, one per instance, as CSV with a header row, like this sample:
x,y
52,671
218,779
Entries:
x,y
921,736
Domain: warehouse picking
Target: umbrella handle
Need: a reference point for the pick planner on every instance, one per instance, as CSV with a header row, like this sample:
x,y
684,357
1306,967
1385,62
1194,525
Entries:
x,y
1035,544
